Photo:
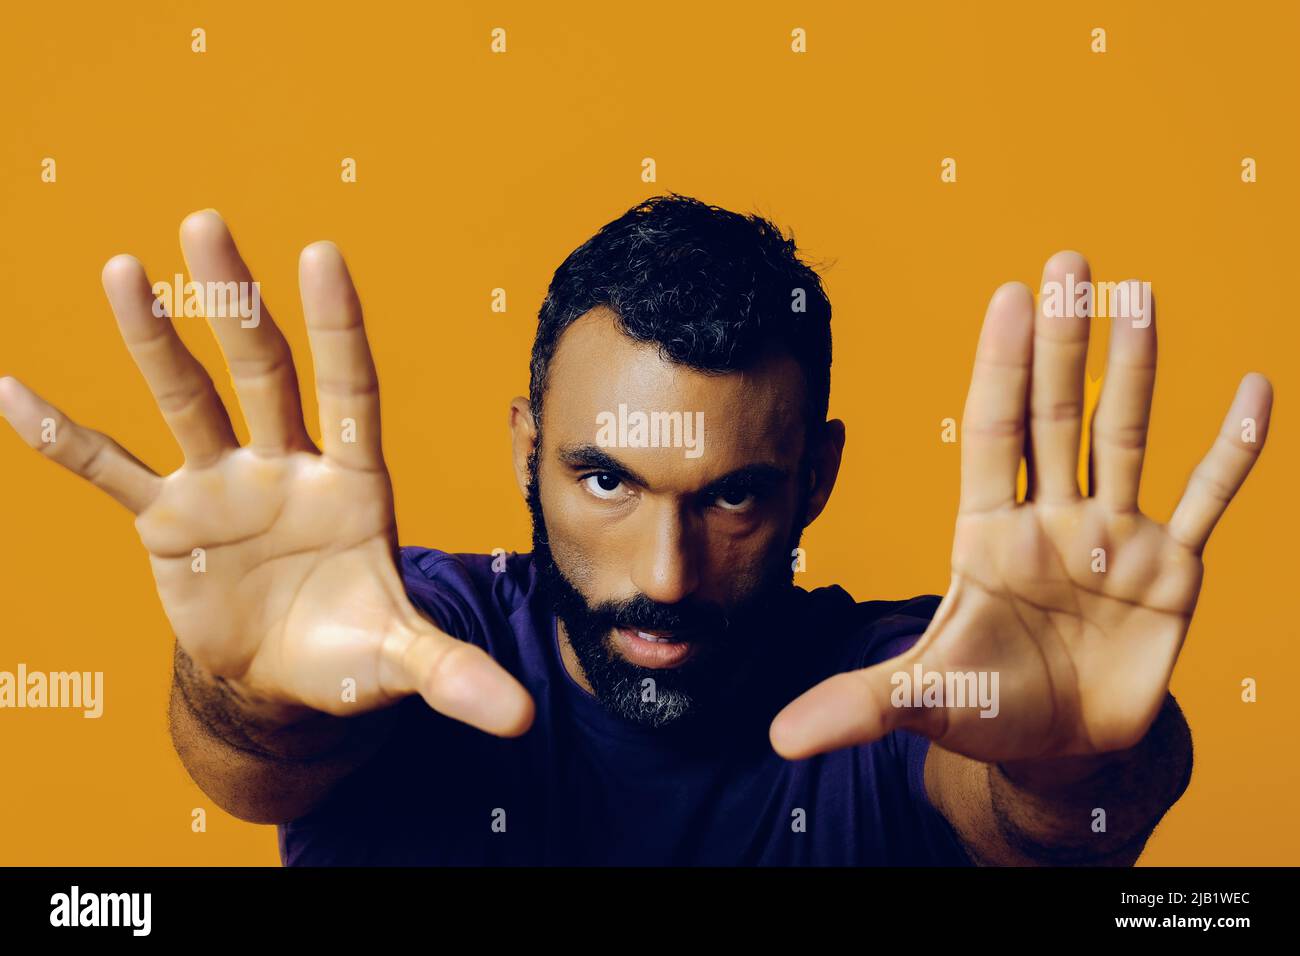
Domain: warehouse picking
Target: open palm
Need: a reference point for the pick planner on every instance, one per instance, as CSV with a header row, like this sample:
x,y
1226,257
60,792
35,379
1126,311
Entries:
x,y
1078,605
275,562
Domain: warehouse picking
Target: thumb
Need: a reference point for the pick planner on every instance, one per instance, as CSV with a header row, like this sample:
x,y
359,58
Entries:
x,y
455,678
856,707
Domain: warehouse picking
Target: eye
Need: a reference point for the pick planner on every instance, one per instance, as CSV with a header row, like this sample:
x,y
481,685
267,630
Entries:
x,y
735,500
603,485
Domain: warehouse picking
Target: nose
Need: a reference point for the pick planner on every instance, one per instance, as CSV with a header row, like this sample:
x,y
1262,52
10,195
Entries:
x,y
665,569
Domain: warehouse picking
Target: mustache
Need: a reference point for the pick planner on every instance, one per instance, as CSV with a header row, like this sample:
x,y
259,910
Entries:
x,y
698,622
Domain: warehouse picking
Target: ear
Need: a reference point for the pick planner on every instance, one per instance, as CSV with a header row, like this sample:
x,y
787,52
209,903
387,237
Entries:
x,y
523,438
825,458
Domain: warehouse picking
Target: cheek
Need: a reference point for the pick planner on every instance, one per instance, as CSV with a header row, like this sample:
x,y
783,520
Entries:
x,y
575,539
740,565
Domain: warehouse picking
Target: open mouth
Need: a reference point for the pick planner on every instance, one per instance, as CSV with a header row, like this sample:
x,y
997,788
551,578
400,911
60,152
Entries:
x,y
659,637
654,649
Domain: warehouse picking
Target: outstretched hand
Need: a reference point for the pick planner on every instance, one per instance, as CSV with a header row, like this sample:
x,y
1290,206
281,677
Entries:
x,y
275,562
1074,607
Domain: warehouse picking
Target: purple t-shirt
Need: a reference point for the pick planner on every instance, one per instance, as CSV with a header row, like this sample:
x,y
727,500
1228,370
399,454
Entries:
x,y
585,787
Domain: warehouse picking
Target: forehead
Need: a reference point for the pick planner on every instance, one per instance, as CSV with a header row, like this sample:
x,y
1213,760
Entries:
x,y
750,415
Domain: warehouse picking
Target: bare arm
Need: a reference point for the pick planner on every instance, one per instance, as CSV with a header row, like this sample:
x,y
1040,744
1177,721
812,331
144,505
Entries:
x,y
259,762
1047,813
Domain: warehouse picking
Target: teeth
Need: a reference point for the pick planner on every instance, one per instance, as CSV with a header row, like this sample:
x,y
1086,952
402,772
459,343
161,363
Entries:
x,y
650,637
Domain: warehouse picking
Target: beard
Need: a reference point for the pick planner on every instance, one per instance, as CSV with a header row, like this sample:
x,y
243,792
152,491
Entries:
x,y
733,642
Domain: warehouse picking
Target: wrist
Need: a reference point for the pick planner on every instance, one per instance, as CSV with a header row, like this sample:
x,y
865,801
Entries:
x,y
1052,774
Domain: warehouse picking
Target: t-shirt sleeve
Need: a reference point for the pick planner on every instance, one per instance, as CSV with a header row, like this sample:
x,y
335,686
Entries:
x,y
456,592
942,845
937,843
442,586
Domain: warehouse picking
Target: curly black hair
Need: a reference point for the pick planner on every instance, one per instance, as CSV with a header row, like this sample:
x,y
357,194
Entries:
x,y
711,287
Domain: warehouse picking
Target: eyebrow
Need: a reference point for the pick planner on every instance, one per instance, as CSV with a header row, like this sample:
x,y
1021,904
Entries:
x,y
595,458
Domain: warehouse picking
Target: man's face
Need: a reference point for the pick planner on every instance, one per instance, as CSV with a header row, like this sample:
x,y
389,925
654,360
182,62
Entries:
x,y
665,564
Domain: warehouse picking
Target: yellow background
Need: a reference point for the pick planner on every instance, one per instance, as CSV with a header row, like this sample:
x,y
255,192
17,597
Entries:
x,y
478,170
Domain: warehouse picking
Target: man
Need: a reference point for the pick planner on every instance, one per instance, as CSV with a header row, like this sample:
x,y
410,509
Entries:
x,y
648,686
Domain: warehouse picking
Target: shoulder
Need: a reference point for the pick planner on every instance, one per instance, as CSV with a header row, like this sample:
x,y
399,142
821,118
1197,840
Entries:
x,y
874,631
895,626
501,574
464,593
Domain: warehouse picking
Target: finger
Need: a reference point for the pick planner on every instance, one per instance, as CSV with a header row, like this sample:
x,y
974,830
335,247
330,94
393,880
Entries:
x,y
261,364
1120,422
180,384
455,678
1056,385
347,388
83,451
1216,479
993,422
852,708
